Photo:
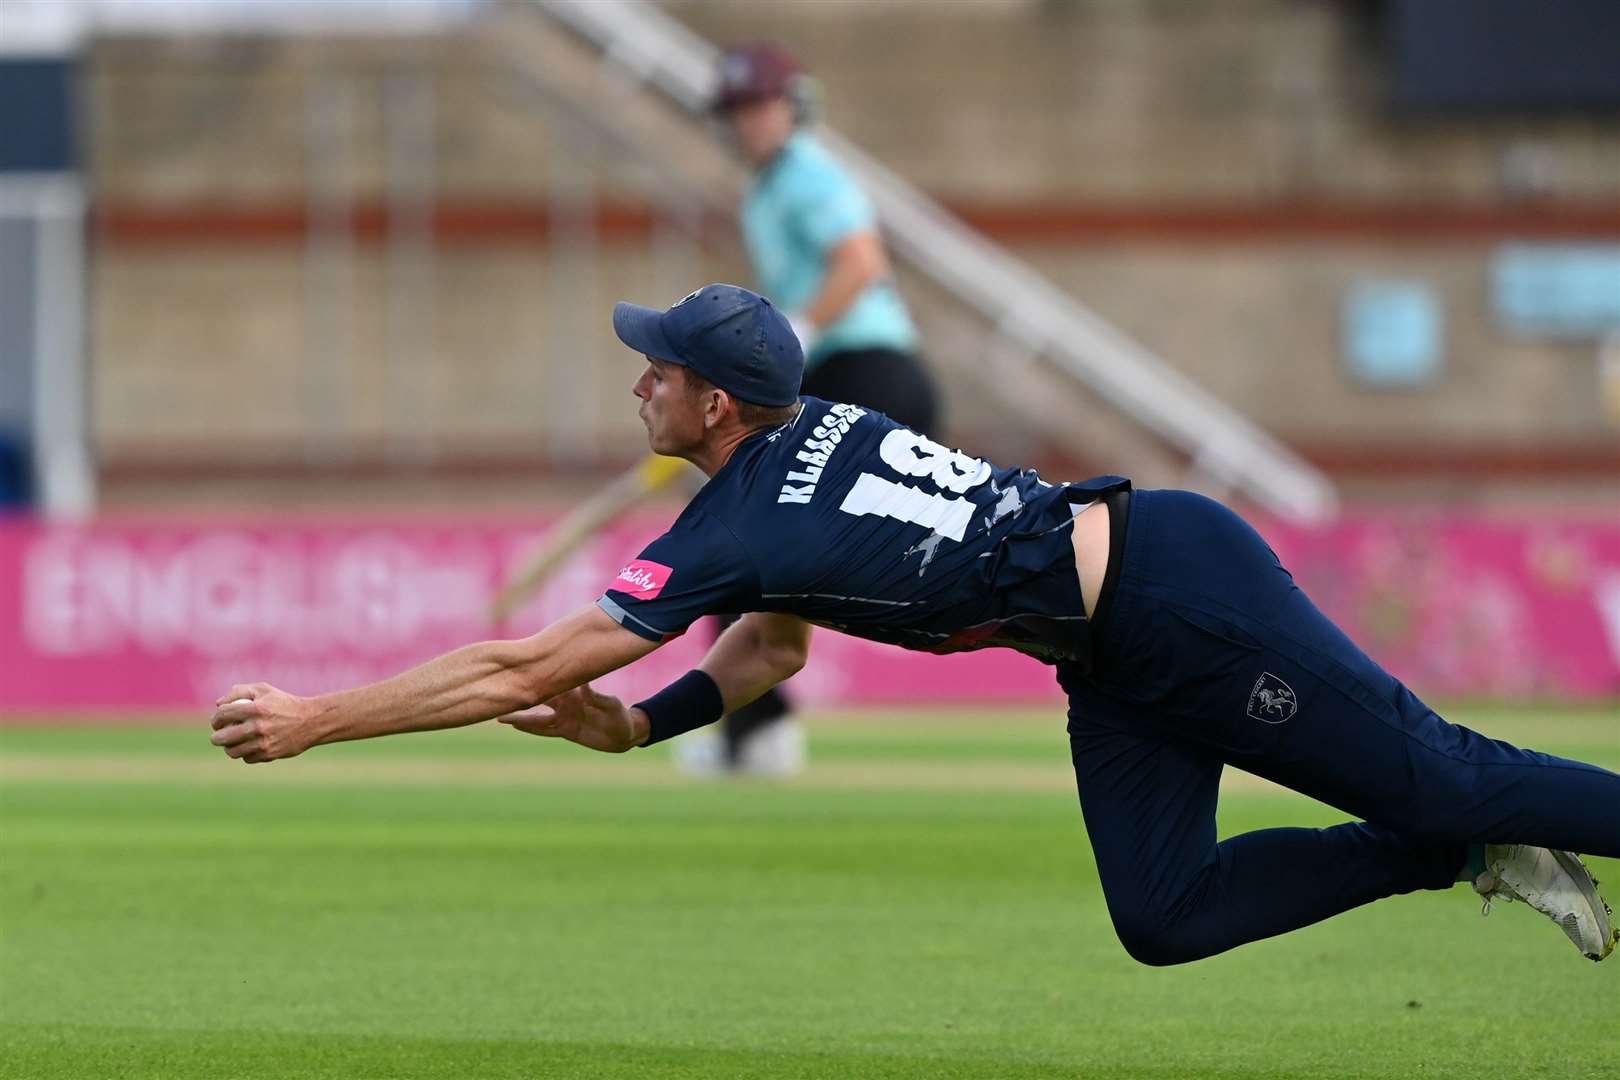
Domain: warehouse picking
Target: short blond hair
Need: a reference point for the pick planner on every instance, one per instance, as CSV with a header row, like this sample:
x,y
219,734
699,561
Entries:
x,y
754,417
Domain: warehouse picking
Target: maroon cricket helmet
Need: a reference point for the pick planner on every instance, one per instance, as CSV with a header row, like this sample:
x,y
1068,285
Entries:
x,y
755,72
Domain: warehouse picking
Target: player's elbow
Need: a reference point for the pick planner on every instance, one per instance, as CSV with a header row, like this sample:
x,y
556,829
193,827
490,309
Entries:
x,y
776,644
861,259
793,660
786,657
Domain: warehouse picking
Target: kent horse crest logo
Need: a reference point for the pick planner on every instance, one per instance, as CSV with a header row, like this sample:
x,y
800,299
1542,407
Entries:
x,y
1272,701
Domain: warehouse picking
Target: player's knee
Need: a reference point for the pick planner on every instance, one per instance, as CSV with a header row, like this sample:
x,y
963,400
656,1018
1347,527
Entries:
x,y
1436,828
1444,811
1155,942
1454,782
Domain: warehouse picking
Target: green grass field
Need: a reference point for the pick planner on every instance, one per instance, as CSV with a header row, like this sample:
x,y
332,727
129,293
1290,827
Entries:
x,y
923,904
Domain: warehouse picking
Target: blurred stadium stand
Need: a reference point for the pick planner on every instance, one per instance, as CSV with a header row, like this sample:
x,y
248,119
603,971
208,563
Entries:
x,y
44,453
1500,54
382,255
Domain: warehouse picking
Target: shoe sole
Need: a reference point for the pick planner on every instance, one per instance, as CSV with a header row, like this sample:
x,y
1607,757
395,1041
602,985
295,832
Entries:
x,y
1607,932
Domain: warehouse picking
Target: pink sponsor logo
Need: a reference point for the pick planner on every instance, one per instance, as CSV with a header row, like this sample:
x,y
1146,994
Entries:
x,y
643,579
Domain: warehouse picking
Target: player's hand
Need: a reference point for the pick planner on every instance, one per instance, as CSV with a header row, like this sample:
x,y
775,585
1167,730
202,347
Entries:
x,y
598,721
256,723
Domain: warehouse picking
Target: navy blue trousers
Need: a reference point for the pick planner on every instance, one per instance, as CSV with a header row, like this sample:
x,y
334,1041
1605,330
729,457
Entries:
x,y
1210,656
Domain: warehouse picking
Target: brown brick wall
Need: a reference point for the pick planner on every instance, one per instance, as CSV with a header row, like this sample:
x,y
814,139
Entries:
x,y
1236,103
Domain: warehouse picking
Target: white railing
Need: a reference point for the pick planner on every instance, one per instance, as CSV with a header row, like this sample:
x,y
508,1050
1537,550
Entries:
x,y
1033,315
52,207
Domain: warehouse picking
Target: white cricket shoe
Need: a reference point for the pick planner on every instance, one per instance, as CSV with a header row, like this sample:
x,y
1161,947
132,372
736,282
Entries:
x,y
775,750
1555,883
700,753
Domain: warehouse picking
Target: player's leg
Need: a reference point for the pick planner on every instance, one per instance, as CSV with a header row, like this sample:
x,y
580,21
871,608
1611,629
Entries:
x,y
1210,641
891,382
1173,892
1232,654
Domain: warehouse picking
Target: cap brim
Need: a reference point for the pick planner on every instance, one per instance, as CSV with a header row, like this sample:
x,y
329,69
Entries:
x,y
641,329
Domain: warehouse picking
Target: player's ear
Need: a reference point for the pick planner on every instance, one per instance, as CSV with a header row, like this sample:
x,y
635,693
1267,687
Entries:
x,y
715,404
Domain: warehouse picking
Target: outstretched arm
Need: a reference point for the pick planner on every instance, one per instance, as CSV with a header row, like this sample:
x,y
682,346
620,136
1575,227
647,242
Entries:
x,y
754,654
259,723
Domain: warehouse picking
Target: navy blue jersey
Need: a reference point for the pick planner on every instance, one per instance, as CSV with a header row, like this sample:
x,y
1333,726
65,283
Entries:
x,y
853,522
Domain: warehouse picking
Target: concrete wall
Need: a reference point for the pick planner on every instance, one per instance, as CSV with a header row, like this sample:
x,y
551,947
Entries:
x,y
1242,105
1151,99
188,354
1114,100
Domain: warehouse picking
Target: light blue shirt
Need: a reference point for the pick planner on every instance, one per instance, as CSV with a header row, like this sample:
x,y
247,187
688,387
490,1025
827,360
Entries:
x,y
800,207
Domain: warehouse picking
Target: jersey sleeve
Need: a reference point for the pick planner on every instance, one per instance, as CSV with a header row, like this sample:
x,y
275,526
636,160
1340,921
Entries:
x,y
830,207
697,568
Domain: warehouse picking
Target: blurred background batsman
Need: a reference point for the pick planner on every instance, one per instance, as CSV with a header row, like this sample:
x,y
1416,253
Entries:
x,y
812,236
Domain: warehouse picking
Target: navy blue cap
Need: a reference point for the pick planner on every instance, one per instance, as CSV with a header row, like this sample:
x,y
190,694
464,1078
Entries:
x,y
734,338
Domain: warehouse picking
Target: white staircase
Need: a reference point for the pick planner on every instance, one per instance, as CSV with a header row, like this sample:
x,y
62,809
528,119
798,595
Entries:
x,y
1036,330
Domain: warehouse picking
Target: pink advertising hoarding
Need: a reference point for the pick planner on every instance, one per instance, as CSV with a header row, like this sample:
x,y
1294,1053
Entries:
x,y
165,615
131,614
1471,606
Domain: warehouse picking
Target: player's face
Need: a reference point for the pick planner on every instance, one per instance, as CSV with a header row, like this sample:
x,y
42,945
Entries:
x,y
762,127
674,418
